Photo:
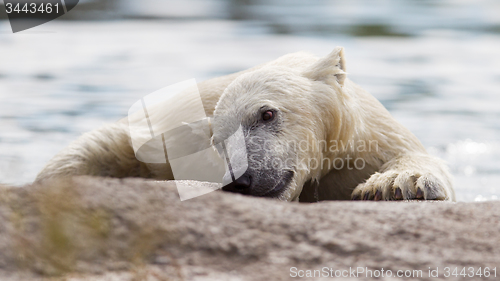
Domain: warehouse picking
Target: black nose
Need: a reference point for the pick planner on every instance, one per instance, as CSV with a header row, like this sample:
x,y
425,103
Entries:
x,y
240,185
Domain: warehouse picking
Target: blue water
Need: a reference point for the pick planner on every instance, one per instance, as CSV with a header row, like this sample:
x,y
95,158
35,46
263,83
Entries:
x,y
436,67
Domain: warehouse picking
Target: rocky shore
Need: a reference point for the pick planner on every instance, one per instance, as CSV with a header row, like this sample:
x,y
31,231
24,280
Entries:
x,y
134,229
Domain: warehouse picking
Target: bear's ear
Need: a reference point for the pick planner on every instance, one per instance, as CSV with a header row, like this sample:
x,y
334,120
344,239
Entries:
x,y
331,66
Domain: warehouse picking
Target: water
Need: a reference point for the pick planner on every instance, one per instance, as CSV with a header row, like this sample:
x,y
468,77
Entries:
x,y
434,66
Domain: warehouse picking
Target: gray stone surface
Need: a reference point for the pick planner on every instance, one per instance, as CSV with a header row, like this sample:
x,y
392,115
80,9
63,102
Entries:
x,y
134,229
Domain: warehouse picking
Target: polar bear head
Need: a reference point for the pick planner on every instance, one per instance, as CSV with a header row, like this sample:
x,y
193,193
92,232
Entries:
x,y
284,110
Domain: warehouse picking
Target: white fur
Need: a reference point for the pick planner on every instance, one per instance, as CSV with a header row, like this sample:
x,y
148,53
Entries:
x,y
320,104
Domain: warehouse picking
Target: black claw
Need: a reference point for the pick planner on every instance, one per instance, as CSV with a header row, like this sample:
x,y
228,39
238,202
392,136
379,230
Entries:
x,y
367,196
356,197
398,194
378,196
420,194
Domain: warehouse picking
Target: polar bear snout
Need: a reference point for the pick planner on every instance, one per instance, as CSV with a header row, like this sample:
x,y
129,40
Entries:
x,y
260,187
240,185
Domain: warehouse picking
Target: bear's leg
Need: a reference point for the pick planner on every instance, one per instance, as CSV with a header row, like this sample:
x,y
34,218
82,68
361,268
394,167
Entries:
x,y
103,152
408,177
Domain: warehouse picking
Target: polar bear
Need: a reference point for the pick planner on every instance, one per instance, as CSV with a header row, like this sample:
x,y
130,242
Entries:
x,y
310,133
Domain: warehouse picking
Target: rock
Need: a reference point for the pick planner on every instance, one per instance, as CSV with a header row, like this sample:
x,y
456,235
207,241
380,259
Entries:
x,y
135,229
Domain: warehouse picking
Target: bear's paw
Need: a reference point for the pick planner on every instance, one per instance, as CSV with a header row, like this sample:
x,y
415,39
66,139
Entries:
x,y
401,185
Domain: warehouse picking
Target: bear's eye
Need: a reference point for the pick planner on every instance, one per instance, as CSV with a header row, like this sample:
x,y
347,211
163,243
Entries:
x,y
268,115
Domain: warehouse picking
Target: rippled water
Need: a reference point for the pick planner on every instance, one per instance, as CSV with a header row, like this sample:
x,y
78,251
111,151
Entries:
x,y
435,67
